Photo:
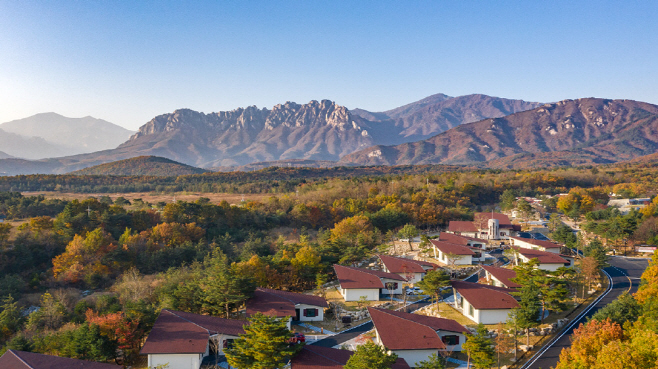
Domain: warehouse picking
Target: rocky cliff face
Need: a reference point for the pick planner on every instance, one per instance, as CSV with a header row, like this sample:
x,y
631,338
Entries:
x,y
594,130
317,130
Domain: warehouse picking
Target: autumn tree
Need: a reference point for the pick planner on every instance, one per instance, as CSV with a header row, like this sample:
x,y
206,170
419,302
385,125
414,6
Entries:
x,y
589,268
370,356
264,345
587,342
503,343
649,288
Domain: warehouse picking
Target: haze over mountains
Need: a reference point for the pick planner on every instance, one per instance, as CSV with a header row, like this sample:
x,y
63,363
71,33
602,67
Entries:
x,y
49,135
321,130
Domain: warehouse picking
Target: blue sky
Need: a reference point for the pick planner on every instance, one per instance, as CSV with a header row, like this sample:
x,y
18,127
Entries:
x,y
128,61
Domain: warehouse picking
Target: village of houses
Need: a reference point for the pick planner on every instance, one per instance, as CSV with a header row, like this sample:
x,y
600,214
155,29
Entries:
x,y
377,300
381,293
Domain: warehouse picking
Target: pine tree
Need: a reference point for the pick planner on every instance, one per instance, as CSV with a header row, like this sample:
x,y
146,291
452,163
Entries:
x,y
479,350
432,283
265,344
223,288
370,356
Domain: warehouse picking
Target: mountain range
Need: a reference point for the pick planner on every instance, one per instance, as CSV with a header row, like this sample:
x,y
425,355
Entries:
x,y
49,135
568,132
473,130
319,131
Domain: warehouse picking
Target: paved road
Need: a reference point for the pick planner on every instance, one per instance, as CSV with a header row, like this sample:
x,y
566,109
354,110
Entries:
x,y
620,270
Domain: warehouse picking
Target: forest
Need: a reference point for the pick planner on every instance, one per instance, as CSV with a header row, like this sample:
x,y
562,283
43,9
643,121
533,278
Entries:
x,y
87,278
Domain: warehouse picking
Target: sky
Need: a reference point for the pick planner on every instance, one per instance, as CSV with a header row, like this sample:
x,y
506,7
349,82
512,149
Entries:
x,y
129,61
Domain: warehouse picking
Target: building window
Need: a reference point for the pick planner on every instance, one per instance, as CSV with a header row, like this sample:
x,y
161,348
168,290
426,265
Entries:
x,y
310,313
471,311
450,340
391,285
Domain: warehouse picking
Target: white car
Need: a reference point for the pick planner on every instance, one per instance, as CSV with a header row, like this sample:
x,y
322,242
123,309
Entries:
x,y
414,291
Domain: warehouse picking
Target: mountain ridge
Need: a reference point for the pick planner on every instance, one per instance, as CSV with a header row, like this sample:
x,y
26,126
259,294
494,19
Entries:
x,y
319,130
602,130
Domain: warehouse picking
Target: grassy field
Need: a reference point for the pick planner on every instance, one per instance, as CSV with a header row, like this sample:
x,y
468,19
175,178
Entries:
x,y
154,197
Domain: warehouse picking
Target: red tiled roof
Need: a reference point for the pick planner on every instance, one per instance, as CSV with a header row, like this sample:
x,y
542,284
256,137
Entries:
x,y
544,257
451,248
280,303
403,265
177,332
13,359
484,297
502,274
544,244
437,324
397,333
461,226
318,357
502,218
458,239
350,277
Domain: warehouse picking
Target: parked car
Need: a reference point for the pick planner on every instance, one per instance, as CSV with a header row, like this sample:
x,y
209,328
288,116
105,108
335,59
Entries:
x,y
414,291
298,338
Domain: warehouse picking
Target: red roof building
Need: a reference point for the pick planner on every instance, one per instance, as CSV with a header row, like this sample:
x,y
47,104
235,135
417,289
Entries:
x,y
13,359
298,306
501,277
450,253
462,240
184,339
489,226
415,337
358,282
483,303
528,243
547,260
411,270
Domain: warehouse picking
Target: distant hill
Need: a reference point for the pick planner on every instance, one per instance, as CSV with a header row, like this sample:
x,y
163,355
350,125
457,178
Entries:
x,y
141,166
64,136
4,155
580,131
16,145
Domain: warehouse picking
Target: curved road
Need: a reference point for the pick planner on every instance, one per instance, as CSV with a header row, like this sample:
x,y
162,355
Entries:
x,y
625,274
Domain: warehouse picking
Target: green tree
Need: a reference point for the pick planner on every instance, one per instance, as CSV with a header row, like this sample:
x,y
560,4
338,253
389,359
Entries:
x,y
526,316
525,209
507,200
370,356
223,287
432,283
596,250
433,362
11,319
624,309
264,345
479,348
409,231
